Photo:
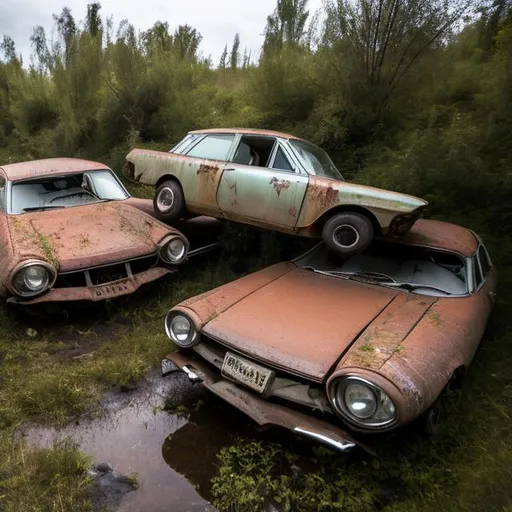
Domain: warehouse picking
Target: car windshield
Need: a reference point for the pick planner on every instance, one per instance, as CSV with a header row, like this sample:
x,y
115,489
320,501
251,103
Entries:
x,y
420,270
315,160
64,191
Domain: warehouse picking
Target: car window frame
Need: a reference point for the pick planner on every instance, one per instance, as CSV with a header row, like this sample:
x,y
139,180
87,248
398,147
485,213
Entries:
x,y
3,196
230,151
481,247
185,143
273,155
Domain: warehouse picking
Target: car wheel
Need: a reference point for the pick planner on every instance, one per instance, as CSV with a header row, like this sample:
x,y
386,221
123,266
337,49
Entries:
x,y
169,202
348,233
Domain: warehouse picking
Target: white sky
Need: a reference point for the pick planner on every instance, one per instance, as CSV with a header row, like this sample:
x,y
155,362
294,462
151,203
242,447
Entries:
x,y
218,21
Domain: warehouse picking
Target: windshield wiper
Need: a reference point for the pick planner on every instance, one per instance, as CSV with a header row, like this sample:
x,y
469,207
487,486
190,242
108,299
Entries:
x,y
414,286
47,207
379,278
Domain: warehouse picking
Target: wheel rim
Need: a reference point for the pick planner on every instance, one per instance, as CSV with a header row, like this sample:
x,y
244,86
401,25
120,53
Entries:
x,y
346,236
165,200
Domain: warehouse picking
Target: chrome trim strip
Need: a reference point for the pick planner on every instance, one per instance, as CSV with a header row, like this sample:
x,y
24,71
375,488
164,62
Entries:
x,y
343,447
202,250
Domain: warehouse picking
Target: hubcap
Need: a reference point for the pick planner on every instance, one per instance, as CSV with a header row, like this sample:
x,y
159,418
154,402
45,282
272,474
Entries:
x,y
165,200
346,236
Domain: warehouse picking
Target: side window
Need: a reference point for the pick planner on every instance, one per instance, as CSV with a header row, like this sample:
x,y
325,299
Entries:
x,y
281,162
182,146
2,193
485,263
254,150
213,147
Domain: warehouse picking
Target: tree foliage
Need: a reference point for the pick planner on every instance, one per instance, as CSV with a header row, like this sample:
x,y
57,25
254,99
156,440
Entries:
x,y
412,95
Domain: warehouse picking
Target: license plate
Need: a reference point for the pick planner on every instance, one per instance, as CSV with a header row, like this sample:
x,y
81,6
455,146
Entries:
x,y
246,372
107,291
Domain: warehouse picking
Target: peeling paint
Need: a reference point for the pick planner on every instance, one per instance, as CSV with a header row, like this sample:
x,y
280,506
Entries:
x,y
279,185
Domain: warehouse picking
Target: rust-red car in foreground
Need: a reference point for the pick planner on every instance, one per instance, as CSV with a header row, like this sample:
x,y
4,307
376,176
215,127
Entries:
x,y
324,345
70,231
272,180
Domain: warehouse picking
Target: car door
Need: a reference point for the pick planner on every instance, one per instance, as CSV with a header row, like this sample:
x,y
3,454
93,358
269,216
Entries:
x,y
268,194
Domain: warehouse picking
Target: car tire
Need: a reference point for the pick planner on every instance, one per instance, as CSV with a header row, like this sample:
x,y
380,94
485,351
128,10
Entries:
x,y
348,233
169,201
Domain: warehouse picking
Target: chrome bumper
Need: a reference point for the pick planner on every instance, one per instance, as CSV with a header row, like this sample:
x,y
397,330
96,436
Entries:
x,y
263,412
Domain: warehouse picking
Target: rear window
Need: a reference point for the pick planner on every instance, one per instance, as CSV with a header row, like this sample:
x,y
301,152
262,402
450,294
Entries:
x,y
213,147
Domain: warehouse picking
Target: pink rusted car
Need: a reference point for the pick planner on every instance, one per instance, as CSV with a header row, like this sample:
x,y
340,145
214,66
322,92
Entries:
x,y
322,345
70,231
273,180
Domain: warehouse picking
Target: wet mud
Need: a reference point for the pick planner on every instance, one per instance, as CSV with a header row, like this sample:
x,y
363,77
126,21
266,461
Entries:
x,y
172,455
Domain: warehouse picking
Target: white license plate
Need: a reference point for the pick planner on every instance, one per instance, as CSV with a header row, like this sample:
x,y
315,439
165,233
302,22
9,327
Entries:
x,y
246,372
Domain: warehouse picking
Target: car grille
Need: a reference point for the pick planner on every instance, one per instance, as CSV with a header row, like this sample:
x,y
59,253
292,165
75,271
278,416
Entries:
x,y
106,273
306,394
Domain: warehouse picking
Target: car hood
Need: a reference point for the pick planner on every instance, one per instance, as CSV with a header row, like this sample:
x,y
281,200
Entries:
x,y
301,322
86,236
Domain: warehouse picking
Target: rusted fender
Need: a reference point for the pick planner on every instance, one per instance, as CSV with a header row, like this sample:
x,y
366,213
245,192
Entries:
x,y
85,236
199,179
415,347
324,194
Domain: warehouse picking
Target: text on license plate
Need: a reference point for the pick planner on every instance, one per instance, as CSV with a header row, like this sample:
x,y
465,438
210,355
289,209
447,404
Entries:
x,y
246,372
120,287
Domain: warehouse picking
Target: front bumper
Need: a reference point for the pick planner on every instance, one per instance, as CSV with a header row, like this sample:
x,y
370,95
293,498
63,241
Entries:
x,y
263,412
97,293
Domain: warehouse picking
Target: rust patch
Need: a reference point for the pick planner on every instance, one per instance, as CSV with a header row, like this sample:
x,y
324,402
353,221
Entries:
x,y
292,212
323,197
207,169
279,185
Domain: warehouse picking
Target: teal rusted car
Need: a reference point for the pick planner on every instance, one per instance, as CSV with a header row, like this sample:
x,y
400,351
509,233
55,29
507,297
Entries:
x,y
272,180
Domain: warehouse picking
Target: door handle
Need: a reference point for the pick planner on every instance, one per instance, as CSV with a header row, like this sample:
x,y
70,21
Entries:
x,y
492,297
229,169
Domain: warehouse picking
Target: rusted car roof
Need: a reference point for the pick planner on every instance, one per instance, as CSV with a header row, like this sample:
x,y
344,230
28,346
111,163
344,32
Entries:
x,y
49,166
249,131
441,235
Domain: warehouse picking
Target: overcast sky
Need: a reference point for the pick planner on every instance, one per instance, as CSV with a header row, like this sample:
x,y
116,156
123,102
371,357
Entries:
x,y
218,20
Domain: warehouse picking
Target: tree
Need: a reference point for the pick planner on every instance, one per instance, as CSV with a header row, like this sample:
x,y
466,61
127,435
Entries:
x,y
380,40
186,41
93,20
8,47
223,58
287,24
235,52
66,28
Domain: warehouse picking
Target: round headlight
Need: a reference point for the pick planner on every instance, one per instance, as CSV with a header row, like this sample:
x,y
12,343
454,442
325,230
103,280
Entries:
x,y
364,403
32,279
175,251
180,329
360,400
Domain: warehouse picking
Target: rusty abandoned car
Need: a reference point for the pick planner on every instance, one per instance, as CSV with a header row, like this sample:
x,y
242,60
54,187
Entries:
x,y
325,344
70,231
272,180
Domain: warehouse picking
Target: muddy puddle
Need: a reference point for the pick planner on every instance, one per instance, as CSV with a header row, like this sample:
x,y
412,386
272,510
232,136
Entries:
x,y
174,456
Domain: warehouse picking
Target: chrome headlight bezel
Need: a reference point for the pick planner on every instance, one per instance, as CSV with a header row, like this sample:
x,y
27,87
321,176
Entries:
x,y
193,337
167,257
21,270
378,419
